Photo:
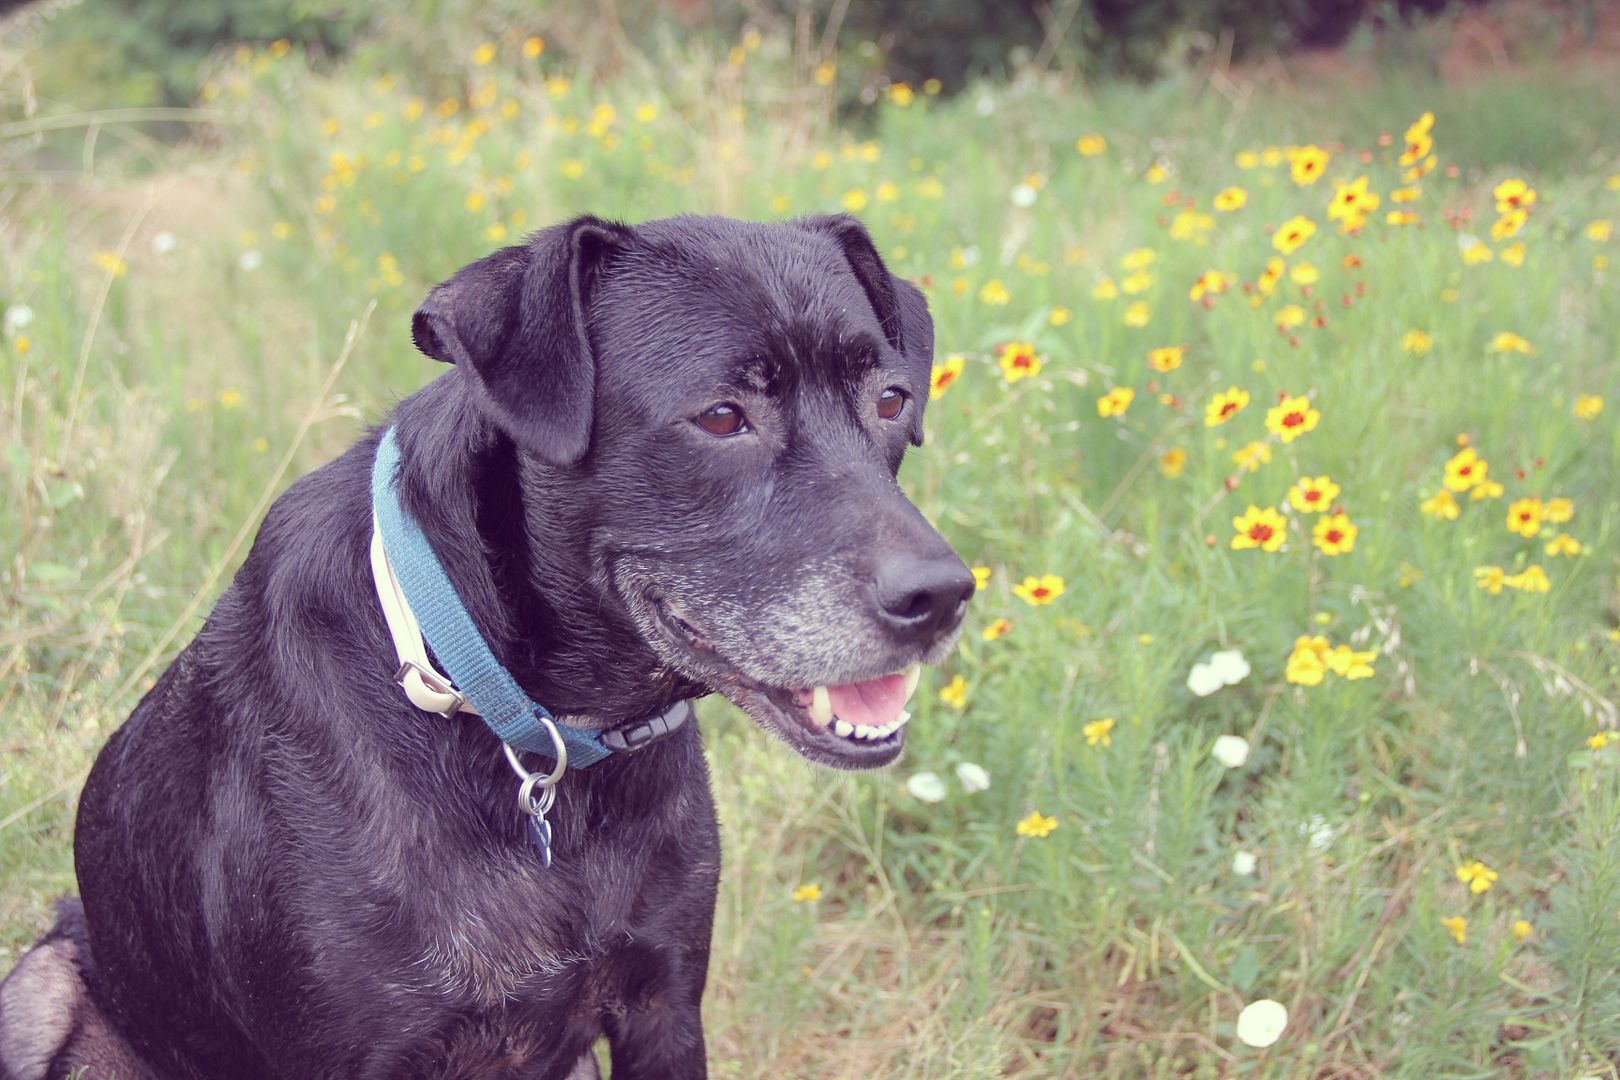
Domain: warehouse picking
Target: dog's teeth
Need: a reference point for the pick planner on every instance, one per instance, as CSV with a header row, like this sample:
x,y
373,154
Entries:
x,y
912,674
821,706
901,720
842,727
863,731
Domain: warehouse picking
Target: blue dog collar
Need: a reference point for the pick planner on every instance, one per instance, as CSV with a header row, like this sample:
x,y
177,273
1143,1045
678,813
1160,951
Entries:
x,y
476,676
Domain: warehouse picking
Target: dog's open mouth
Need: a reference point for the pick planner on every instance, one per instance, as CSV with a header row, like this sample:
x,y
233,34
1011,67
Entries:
x,y
856,724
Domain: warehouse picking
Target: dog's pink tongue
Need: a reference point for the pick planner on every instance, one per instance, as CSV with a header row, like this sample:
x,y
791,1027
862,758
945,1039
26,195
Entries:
x,y
873,703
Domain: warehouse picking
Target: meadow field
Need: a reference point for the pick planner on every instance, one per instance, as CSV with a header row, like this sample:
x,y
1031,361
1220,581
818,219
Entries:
x,y
1280,421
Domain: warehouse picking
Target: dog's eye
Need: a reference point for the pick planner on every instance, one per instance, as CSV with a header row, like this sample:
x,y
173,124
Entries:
x,y
891,403
722,419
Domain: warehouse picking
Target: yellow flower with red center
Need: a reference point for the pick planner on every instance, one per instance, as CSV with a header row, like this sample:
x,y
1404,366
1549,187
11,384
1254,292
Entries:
x,y
1418,141
1465,469
1173,462
1311,495
1588,407
1307,163
1458,927
1225,405
1270,275
981,577
1563,544
1490,578
1256,528
1307,664
1209,282
1229,199
1037,825
1292,234
1442,504
1530,579
1115,402
997,629
1524,517
1019,361
1509,224
1167,358
944,374
1292,417
1558,510
1352,201
1249,458
1039,590
1099,731
1416,342
1514,195
1335,534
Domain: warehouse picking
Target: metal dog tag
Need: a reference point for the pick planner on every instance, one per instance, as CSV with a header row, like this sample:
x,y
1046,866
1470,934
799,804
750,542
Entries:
x,y
540,833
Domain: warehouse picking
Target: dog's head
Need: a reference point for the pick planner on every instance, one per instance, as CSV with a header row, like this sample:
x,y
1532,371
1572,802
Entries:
x,y
729,404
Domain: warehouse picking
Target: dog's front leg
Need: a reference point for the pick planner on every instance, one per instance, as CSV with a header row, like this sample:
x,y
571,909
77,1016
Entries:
x,y
660,1042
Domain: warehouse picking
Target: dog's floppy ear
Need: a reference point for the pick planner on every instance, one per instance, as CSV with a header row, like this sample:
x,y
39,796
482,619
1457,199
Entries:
x,y
515,322
901,308
863,259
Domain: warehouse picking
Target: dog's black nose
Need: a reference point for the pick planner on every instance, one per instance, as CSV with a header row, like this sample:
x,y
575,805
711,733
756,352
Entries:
x,y
922,597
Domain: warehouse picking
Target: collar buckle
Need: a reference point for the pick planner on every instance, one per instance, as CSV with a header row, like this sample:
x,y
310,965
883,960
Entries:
x,y
434,682
624,739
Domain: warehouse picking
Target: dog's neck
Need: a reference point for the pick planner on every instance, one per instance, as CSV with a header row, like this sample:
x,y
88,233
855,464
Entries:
x,y
571,646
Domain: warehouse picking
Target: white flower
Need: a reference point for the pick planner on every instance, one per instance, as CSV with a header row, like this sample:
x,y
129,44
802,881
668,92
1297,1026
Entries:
x,y
1317,831
1244,862
251,259
1225,668
1261,1022
164,242
974,777
926,786
1023,195
17,317
1231,751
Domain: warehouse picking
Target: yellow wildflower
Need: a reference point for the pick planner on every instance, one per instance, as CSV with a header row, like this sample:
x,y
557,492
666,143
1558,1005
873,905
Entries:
x,y
1099,731
1037,825
1477,876
1041,590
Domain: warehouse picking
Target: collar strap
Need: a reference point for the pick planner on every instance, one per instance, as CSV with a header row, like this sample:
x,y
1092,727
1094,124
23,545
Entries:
x,y
411,585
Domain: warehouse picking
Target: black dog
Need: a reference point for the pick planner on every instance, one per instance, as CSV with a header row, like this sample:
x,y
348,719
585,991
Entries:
x,y
663,465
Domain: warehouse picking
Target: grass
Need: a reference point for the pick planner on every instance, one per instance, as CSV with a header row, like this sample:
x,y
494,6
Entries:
x,y
209,319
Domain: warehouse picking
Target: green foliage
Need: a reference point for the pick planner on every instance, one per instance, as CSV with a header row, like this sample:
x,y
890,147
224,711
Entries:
x,y
184,325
